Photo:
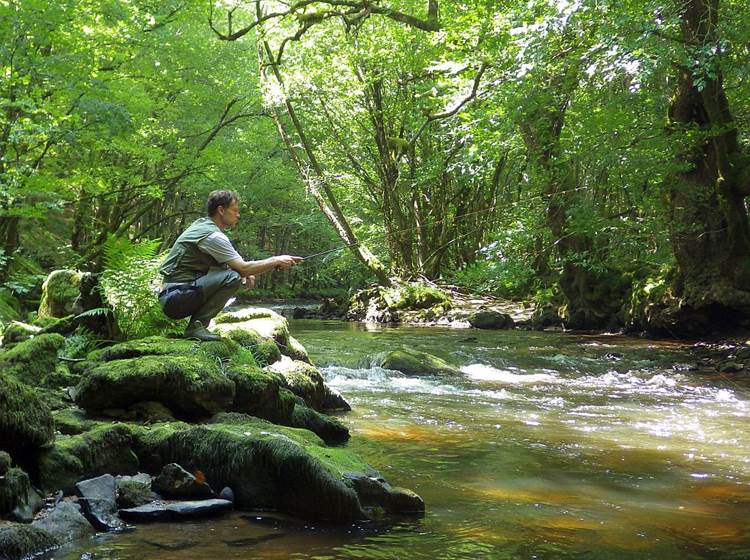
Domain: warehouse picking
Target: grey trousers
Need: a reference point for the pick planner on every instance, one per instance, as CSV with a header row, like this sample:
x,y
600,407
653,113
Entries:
x,y
218,285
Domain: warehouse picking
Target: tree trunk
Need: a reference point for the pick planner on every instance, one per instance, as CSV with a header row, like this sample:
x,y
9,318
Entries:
x,y
709,222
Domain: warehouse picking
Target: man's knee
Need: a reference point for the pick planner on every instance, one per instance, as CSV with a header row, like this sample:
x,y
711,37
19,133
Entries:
x,y
233,279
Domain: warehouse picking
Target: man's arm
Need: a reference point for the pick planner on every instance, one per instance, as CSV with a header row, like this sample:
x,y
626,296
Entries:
x,y
251,268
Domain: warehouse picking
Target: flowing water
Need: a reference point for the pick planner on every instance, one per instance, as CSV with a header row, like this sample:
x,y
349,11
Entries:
x,y
547,446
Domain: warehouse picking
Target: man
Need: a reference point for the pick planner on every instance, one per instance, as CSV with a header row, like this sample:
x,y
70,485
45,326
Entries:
x,y
203,270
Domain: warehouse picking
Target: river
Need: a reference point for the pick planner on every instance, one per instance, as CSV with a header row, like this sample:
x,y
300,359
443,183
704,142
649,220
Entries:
x,y
549,446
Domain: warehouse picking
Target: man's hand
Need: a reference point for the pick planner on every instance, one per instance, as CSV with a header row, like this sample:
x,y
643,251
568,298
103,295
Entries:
x,y
287,261
249,281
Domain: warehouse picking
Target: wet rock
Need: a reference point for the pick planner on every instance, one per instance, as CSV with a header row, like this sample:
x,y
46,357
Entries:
x,y
303,379
19,501
614,356
412,362
65,522
176,482
730,367
226,494
490,319
160,511
329,429
333,400
104,449
296,351
373,490
19,541
99,502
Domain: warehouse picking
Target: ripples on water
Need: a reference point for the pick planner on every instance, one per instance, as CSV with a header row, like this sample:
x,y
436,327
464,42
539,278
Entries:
x,y
547,446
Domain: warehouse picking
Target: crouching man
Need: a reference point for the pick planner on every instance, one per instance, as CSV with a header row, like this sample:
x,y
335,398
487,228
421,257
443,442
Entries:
x,y
203,270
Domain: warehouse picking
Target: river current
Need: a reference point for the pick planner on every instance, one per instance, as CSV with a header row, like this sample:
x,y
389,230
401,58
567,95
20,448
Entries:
x,y
549,446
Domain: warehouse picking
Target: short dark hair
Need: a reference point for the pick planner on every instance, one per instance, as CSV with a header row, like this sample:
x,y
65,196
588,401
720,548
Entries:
x,y
220,198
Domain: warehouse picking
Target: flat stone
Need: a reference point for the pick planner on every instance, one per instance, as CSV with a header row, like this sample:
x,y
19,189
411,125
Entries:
x,y
158,511
99,502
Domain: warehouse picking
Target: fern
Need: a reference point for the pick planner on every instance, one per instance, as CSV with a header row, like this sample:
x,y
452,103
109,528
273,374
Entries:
x,y
95,312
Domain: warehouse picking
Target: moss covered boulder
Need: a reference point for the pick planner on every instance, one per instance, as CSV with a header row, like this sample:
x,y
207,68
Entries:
x,y
25,421
306,381
267,466
18,541
105,449
490,319
264,350
59,292
267,324
34,361
191,386
412,362
16,332
18,499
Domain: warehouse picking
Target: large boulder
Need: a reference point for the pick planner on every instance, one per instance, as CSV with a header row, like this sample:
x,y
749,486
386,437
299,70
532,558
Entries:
x,y
412,362
19,541
25,421
190,386
107,448
267,466
254,328
59,293
34,361
98,498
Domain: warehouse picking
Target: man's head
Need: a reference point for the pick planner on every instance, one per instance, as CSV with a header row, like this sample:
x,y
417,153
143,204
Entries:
x,y
223,208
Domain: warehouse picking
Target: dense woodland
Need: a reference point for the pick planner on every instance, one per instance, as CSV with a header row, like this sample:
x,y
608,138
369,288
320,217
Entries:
x,y
590,156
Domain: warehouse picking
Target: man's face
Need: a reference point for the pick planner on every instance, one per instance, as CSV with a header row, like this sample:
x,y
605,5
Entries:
x,y
230,215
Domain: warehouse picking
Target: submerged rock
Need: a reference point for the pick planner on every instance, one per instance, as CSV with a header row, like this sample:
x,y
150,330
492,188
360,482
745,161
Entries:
x,y
412,362
162,511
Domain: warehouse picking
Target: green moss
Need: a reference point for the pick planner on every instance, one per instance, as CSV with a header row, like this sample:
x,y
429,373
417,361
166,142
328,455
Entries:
x,y
259,393
150,346
264,351
415,296
71,421
266,465
189,385
21,541
327,428
16,332
412,362
106,448
25,421
5,462
59,292
245,315
33,361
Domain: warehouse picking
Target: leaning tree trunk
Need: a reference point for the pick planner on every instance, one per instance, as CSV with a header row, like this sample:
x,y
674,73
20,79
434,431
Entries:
x,y
709,222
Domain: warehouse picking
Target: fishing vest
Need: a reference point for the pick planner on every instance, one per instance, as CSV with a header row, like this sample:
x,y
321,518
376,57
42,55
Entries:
x,y
185,261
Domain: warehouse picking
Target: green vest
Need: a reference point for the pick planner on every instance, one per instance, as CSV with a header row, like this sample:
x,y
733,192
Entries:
x,y
185,261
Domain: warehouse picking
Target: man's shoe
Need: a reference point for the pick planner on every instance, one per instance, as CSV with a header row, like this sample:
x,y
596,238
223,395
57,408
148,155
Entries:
x,y
196,330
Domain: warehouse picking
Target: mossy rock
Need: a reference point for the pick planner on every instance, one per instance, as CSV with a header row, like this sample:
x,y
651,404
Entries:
x,y
150,346
296,351
268,324
16,332
490,319
327,428
60,325
19,541
267,466
14,490
5,462
415,296
191,386
59,292
105,449
71,421
34,361
264,350
304,380
412,362
260,393
25,421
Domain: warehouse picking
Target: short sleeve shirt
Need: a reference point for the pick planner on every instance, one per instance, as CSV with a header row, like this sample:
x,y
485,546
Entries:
x,y
219,247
